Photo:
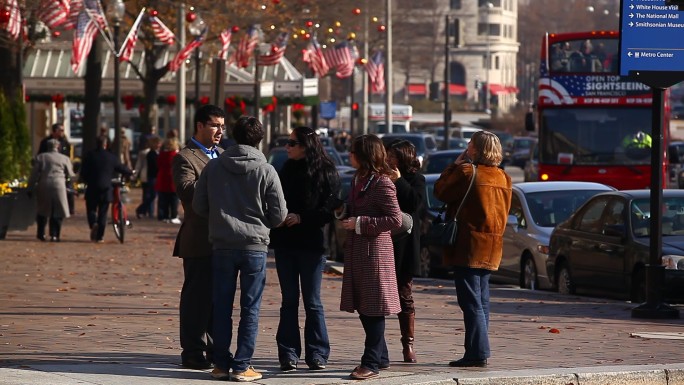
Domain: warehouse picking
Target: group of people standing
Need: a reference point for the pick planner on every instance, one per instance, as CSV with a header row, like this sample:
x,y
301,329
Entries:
x,y
237,206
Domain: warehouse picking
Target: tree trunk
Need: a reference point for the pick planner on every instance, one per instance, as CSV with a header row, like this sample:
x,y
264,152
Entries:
x,y
93,85
9,65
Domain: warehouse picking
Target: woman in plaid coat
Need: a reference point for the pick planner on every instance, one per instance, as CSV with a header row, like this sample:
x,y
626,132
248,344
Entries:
x,y
369,285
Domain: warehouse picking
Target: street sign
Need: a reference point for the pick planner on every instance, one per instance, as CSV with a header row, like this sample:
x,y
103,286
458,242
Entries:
x,y
650,36
328,110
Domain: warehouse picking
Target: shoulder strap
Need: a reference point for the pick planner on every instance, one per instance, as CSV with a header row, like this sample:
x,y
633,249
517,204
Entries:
x,y
472,181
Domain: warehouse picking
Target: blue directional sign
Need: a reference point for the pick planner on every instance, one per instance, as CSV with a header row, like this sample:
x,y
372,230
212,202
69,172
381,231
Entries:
x,y
328,110
651,36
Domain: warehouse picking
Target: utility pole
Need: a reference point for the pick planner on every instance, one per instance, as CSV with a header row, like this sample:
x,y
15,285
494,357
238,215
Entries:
x,y
447,82
388,69
180,77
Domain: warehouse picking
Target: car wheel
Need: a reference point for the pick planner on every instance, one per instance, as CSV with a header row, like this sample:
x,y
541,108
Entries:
x,y
565,282
638,294
425,259
528,275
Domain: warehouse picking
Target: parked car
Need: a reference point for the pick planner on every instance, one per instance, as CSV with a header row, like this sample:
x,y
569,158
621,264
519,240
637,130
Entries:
x,y
504,137
536,208
430,258
278,155
517,151
437,161
454,143
675,157
424,142
604,246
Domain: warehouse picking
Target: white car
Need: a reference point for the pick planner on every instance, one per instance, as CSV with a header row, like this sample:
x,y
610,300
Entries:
x,y
536,208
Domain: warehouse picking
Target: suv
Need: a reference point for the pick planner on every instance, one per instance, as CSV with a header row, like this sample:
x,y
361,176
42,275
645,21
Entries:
x,y
425,143
518,151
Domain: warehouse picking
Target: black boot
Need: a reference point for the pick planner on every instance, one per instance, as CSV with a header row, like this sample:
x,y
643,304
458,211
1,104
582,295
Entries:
x,y
41,221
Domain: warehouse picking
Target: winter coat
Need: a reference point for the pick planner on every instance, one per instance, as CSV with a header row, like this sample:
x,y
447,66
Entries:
x,y
192,240
369,283
164,182
49,177
411,198
482,220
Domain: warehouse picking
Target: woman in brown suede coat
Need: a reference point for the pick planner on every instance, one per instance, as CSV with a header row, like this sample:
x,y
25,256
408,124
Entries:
x,y
479,239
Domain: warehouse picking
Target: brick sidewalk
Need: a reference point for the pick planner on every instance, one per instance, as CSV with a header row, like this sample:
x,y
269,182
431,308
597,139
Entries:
x,y
77,302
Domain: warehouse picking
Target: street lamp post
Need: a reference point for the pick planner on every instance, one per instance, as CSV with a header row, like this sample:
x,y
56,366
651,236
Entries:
x,y
196,28
488,7
117,11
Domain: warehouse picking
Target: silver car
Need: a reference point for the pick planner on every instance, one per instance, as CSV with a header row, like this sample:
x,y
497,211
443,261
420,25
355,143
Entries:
x,y
536,208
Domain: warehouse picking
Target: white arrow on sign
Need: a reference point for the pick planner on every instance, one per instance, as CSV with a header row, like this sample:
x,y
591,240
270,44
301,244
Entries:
x,y
629,54
631,6
631,15
631,24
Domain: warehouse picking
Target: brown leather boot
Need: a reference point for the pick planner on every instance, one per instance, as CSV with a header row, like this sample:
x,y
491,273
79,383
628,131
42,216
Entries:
x,y
406,321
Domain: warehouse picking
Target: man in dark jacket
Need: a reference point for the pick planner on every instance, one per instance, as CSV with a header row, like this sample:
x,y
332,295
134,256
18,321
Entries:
x,y
97,171
192,242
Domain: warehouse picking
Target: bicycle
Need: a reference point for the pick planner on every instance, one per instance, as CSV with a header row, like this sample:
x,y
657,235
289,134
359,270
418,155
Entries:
x,y
119,216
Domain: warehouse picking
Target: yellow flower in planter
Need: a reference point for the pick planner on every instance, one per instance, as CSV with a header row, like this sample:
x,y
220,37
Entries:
x,y
5,188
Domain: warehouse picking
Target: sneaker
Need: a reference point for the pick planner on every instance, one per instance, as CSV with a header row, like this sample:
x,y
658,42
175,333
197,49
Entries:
x,y
245,376
220,374
288,366
317,364
175,221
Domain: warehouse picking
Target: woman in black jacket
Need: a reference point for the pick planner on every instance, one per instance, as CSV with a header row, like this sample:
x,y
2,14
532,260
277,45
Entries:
x,y
310,184
410,184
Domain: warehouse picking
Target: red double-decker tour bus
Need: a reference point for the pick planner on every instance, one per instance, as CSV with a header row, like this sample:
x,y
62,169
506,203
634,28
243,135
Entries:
x,y
593,124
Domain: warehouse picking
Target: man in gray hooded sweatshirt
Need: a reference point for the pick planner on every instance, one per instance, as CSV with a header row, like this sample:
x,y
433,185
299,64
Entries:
x,y
241,195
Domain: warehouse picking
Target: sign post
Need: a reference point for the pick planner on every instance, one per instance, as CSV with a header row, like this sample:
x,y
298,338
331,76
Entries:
x,y
650,54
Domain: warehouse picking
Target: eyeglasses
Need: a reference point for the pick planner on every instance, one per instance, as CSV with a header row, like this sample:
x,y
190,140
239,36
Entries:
x,y
215,126
292,142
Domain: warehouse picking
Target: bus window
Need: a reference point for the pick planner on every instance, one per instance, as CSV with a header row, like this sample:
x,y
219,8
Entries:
x,y
595,55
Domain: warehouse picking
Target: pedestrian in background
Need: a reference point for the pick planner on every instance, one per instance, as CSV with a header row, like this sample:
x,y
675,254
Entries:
x,y
311,185
192,242
98,169
167,200
49,176
146,172
240,194
410,185
479,238
125,148
65,148
369,284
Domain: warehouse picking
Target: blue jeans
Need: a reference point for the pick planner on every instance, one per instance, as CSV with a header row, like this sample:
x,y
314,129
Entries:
x,y
472,290
375,351
294,266
251,267
146,208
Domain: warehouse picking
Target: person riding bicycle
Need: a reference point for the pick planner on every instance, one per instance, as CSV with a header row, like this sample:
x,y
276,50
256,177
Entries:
x,y
98,168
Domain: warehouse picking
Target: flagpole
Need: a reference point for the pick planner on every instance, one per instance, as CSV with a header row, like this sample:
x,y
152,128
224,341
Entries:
x,y
364,110
388,70
180,78
133,30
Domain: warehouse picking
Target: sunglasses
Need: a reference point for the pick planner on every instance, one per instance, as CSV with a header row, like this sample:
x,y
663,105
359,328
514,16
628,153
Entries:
x,y
292,142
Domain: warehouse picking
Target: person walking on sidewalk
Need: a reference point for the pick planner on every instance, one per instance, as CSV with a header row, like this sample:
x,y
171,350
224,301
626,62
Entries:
x,y
311,185
167,200
146,171
49,176
98,169
369,284
240,194
192,242
410,185
479,238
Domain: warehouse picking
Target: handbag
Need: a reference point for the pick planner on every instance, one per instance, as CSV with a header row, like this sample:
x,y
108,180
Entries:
x,y
442,232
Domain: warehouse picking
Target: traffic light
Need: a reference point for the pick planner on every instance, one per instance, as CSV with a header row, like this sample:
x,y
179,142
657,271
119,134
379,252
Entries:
x,y
478,85
435,91
355,109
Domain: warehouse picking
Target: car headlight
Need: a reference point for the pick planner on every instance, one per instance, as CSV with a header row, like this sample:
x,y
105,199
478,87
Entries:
x,y
544,249
673,262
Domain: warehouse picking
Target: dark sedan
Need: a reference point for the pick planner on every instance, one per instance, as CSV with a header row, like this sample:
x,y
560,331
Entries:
x,y
604,246
437,161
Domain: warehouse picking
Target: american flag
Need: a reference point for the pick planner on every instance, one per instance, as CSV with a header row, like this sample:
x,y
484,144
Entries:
x,y
13,25
224,38
376,72
341,58
53,12
161,31
89,20
277,51
313,54
246,47
184,54
75,8
132,38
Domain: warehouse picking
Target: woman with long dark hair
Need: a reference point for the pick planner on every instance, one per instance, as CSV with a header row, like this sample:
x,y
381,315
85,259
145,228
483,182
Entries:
x,y
310,184
410,185
369,284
